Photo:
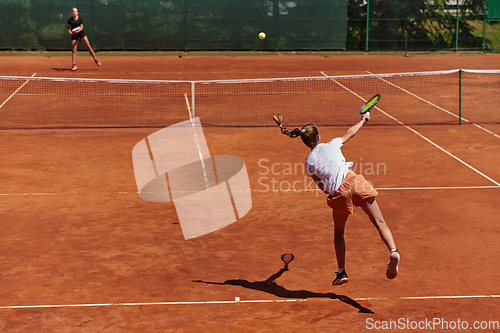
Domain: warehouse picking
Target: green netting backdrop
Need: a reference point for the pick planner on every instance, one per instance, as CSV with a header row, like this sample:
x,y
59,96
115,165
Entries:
x,y
184,25
494,10
177,24
420,25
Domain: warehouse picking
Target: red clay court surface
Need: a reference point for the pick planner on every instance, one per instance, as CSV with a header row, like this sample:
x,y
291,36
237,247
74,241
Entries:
x,y
81,252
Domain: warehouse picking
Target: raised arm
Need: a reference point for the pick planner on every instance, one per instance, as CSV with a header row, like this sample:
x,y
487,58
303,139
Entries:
x,y
354,129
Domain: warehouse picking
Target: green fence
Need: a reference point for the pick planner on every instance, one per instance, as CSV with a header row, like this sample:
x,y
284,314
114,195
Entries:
x,y
420,25
493,10
353,25
177,24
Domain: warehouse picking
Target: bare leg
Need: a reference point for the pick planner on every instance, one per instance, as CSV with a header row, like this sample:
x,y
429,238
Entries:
x,y
85,41
372,209
338,237
74,47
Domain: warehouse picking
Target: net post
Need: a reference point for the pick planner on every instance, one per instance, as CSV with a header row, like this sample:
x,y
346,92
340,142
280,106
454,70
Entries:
x,y
457,26
367,23
185,26
406,43
484,25
276,14
192,98
92,25
460,97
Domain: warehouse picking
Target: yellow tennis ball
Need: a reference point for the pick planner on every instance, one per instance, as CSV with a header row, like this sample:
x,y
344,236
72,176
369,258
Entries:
x,y
262,35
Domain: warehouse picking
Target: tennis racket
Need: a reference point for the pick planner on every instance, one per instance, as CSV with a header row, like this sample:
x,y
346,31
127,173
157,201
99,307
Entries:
x,y
75,29
287,258
367,107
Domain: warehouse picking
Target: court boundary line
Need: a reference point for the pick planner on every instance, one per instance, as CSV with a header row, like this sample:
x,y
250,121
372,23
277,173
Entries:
x,y
438,187
237,300
434,105
85,305
200,154
25,194
420,135
188,107
426,297
15,92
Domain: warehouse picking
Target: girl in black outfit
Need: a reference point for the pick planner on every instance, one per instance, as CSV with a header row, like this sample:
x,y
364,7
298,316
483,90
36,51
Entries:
x,y
77,22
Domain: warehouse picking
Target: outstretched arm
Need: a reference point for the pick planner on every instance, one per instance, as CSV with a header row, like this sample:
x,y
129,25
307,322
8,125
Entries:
x,y
354,129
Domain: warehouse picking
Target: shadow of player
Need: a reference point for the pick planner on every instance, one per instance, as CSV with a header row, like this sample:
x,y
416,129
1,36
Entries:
x,y
69,69
271,287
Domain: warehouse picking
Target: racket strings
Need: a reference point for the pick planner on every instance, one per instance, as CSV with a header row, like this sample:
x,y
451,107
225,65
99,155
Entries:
x,y
366,108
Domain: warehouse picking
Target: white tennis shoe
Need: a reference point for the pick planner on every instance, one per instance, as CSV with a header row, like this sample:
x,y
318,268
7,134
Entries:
x,y
392,269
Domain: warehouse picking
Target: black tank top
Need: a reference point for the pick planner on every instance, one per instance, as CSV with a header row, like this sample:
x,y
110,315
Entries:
x,y
75,23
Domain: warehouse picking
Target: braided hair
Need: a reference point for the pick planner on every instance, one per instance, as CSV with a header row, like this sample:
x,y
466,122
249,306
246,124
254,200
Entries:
x,y
308,133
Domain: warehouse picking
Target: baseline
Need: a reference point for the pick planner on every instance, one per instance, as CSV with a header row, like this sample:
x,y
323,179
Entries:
x,y
25,194
237,300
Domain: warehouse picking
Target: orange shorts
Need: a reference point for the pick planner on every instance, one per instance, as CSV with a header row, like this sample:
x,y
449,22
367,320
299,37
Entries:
x,y
354,191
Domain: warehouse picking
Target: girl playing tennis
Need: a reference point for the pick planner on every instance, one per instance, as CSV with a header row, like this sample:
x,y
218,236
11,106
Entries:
x,y
327,166
77,22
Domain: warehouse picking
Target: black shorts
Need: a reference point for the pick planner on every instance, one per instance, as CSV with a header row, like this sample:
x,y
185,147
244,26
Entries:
x,y
79,35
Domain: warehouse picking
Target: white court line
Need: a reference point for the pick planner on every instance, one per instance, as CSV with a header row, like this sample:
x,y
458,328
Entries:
x,y
435,188
405,188
447,152
197,144
486,130
238,301
260,191
434,105
420,135
188,106
12,95
426,297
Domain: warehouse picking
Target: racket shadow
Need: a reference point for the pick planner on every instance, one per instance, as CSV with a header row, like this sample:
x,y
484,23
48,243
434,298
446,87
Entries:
x,y
271,287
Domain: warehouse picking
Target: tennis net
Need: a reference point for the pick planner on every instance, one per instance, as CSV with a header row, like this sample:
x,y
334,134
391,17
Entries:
x,y
444,97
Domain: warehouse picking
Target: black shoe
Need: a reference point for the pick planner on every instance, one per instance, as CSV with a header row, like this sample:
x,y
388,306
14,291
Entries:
x,y
341,278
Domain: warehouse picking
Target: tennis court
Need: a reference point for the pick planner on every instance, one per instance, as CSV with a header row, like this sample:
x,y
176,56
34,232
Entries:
x,y
80,251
